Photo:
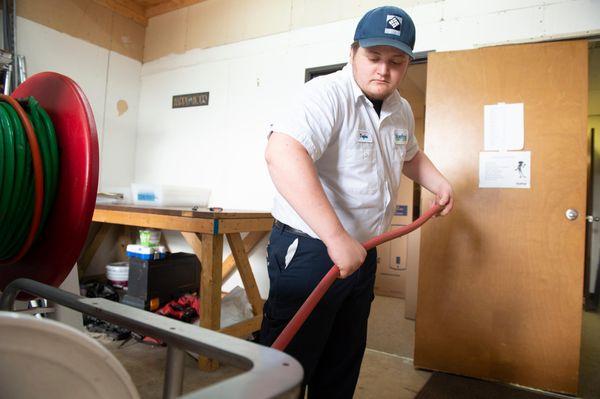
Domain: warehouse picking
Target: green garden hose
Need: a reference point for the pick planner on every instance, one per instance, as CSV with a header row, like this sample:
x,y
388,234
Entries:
x,y
16,174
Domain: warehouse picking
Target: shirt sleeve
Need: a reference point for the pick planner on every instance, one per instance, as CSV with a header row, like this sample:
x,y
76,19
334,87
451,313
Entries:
x,y
309,118
412,147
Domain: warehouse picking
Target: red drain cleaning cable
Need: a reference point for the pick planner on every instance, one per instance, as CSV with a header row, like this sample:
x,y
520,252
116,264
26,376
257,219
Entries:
x,y
307,307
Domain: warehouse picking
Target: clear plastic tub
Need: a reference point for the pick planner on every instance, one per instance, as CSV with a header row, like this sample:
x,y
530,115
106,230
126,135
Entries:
x,y
168,195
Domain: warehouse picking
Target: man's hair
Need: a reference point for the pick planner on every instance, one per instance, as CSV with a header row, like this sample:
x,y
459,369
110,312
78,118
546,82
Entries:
x,y
354,46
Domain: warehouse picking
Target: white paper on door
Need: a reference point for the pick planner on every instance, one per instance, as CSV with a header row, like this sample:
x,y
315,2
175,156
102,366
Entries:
x,y
503,127
505,169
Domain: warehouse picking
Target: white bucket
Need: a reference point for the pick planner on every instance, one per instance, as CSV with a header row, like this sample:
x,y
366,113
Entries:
x,y
118,273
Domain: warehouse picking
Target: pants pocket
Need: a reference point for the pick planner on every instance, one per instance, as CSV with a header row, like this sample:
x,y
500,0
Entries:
x,y
274,321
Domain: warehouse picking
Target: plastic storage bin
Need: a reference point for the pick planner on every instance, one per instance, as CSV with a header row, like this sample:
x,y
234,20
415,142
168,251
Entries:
x,y
167,195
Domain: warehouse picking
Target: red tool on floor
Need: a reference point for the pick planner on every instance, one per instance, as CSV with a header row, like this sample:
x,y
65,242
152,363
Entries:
x,y
307,307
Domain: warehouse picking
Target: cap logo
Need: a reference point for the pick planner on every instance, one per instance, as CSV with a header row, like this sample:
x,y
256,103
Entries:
x,y
393,25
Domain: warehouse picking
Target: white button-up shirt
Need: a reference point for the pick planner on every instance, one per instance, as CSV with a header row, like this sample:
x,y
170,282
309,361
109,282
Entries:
x,y
358,155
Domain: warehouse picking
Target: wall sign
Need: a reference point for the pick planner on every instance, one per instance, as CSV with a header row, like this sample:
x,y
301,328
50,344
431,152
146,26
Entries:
x,y
503,127
190,100
505,169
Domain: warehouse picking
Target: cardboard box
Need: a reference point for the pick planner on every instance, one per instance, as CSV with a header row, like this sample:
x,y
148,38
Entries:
x,y
412,275
393,256
391,274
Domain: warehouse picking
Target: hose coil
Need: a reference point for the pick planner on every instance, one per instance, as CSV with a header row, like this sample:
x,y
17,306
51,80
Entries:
x,y
29,170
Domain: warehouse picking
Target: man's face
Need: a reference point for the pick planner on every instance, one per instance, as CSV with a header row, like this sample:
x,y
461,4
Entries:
x,y
379,70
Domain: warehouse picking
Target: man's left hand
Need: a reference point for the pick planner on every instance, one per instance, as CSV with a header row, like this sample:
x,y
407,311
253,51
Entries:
x,y
445,196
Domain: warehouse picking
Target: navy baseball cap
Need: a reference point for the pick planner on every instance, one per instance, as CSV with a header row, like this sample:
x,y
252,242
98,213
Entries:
x,y
386,26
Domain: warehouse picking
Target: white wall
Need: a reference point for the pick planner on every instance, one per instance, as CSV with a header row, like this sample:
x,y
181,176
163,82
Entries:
x,y
105,77
221,146
120,127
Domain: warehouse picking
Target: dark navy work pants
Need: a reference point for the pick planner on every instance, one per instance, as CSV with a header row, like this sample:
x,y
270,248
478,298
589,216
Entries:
x,y
331,343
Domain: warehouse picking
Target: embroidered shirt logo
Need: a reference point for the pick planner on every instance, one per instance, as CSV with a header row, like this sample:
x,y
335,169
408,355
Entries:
x,y
400,137
393,25
364,136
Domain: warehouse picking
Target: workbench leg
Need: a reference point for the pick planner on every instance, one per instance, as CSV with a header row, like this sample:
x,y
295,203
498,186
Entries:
x,y
243,265
250,242
210,290
195,241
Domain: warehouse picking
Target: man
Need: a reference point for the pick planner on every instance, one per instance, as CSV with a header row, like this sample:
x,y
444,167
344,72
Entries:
x,y
335,158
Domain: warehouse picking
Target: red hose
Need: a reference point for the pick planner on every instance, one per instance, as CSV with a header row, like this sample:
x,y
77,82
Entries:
x,y
307,307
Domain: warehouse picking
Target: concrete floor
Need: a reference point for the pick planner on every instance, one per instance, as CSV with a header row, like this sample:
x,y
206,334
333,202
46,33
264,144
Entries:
x,y
589,375
387,370
146,366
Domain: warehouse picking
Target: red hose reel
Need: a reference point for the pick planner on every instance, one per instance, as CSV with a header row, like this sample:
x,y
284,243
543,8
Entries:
x,y
52,256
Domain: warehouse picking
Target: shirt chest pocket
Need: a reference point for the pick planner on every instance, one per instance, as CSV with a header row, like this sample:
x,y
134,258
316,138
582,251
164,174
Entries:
x,y
358,169
399,141
399,153
359,155
358,151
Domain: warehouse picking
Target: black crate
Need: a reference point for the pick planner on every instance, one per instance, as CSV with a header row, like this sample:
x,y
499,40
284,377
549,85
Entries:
x,y
163,279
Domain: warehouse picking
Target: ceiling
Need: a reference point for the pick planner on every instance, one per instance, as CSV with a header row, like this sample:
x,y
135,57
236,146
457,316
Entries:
x,y
141,10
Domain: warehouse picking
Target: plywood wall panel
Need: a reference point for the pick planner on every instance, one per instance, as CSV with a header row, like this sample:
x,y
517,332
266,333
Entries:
x,y
127,38
166,34
89,21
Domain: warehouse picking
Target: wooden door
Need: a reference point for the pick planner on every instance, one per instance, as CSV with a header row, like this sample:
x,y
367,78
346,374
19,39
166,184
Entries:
x,y
501,278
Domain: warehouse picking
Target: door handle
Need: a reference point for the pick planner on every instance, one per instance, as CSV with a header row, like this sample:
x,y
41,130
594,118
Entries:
x,y
571,214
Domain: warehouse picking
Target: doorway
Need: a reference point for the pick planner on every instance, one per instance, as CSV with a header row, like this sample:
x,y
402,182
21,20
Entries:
x,y
589,381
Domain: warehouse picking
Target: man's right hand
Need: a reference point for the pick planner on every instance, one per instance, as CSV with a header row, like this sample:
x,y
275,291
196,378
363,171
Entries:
x,y
347,253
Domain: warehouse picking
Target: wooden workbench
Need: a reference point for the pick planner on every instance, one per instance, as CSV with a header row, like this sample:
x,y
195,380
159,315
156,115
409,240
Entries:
x,y
204,231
